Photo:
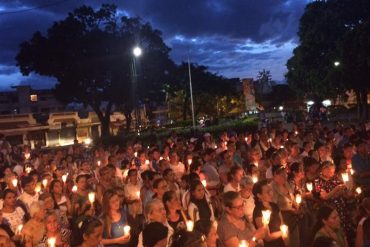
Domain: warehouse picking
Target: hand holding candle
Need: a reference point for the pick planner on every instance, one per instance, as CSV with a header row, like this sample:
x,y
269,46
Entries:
x,y
204,182
64,178
126,230
45,182
266,214
19,229
243,243
298,199
284,231
74,188
189,225
15,182
51,242
309,187
91,196
254,179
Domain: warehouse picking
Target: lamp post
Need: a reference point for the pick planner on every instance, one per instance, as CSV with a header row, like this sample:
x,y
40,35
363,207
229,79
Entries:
x,y
191,94
137,52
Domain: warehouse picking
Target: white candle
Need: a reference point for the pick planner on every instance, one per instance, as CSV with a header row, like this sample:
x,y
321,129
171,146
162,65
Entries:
x,y
38,188
64,178
266,214
246,139
190,161
19,229
243,243
309,187
254,179
269,140
45,182
27,155
204,182
189,225
296,132
138,194
284,231
161,158
15,182
281,146
99,162
91,196
135,154
255,163
51,242
352,171
298,199
358,190
147,162
74,188
126,230
345,177
28,169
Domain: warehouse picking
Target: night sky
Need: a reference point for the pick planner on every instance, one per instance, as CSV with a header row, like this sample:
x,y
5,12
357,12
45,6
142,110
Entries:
x,y
234,38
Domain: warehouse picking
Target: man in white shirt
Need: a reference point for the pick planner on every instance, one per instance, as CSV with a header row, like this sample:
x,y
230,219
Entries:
x,y
29,195
177,167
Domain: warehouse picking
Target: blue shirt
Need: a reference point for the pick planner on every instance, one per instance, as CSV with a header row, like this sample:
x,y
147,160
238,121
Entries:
x,y
117,229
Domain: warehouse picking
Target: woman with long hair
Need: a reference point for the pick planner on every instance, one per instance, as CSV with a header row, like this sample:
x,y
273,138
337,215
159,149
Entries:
x,y
53,230
200,206
175,215
114,219
328,225
61,201
263,195
234,177
91,232
209,230
160,187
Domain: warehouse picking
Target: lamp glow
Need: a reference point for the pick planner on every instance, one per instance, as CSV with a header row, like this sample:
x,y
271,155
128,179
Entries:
x,y
137,51
126,230
189,225
266,214
91,196
309,187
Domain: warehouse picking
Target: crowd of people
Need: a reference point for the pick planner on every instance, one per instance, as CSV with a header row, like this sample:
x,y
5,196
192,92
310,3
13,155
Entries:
x,y
273,187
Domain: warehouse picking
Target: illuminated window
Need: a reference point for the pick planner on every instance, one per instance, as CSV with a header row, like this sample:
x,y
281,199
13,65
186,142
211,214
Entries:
x,y
33,97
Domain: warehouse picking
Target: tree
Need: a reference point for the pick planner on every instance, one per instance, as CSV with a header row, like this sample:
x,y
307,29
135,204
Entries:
x,y
331,31
207,89
264,82
90,54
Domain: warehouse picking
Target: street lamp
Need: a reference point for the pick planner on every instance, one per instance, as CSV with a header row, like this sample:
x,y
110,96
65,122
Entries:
x,y
137,51
336,63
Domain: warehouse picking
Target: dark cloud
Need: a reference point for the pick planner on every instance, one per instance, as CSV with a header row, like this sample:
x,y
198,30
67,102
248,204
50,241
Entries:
x,y
232,37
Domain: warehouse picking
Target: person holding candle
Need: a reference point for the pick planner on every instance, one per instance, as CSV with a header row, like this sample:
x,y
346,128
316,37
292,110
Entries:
x,y
234,176
328,225
233,226
330,188
170,178
34,229
80,197
114,219
361,164
91,231
160,186
177,166
61,236
226,164
29,195
61,201
263,195
15,215
199,206
175,216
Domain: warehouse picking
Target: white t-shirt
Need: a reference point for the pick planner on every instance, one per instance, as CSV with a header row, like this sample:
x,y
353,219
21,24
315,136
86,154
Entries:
x,y
229,187
15,219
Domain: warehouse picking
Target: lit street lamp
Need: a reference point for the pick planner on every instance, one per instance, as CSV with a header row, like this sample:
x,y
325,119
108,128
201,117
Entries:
x,y
336,63
137,51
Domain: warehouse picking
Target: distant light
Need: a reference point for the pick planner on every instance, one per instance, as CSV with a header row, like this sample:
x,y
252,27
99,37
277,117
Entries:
x,y
137,51
88,141
281,108
326,102
336,63
309,103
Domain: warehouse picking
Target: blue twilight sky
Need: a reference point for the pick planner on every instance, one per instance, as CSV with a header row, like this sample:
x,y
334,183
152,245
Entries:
x,y
234,38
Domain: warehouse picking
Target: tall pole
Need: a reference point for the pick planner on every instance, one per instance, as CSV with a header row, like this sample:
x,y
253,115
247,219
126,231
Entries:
x,y
191,94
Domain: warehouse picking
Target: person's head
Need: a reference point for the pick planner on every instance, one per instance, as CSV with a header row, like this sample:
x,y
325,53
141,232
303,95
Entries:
x,y
196,190
56,187
324,241
81,182
311,165
327,217
366,229
348,151
91,230
362,148
111,202
51,222
235,174
37,211
209,230
246,186
234,204
28,184
155,211
296,171
184,238
171,200
262,191
160,186
327,169
9,197
279,174
132,176
47,201
155,235
173,156
169,175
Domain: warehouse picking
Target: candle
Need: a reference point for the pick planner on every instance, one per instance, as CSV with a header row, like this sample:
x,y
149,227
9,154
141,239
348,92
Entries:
x,y
298,199
204,182
74,188
352,171
28,169
27,156
91,196
147,162
358,190
190,161
266,217
161,158
281,146
284,231
243,243
309,187
345,177
189,225
296,132
254,179
269,140
45,182
135,154
15,182
51,242
138,194
225,143
19,229
99,162
255,163
246,139
64,178
38,188
126,230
